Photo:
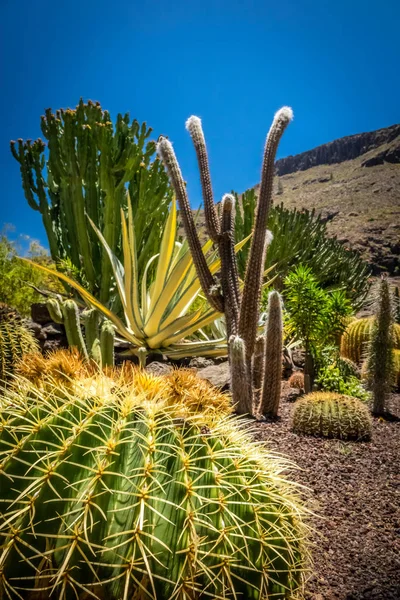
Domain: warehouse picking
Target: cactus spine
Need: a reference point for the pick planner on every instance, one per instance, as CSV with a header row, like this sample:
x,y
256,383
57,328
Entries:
x,y
117,498
380,364
84,173
241,308
271,392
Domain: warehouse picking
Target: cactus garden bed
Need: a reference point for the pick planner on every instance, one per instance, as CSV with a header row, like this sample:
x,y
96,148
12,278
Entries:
x,y
356,489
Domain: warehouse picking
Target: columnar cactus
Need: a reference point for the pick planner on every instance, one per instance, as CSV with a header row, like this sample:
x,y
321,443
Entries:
x,y
331,415
117,497
271,392
85,173
379,364
241,307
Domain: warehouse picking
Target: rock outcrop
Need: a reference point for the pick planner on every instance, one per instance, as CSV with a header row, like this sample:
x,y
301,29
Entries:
x,y
346,148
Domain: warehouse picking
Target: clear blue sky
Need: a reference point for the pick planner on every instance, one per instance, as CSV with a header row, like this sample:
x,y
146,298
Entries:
x,y
231,62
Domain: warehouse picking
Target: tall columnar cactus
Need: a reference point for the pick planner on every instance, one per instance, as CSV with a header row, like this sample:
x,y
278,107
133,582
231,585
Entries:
x,y
72,326
107,339
113,497
380,365
15,341
85,173
271,392
241,307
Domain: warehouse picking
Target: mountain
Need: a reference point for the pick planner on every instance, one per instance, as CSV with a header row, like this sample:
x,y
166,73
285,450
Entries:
x,y
354,182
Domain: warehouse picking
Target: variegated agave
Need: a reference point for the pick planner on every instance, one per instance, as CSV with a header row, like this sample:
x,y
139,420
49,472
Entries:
x,y
158,316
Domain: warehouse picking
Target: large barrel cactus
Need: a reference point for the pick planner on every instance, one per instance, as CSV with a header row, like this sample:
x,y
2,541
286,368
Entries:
x,y
355,340
110,494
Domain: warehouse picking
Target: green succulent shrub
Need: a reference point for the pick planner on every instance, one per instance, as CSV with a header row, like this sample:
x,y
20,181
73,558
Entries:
x,y
17,278
117,496
314,316
338,374
83,170
332,415
300,237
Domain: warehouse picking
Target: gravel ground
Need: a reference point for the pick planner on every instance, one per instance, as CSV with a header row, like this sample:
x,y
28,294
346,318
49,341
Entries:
x,y
355,491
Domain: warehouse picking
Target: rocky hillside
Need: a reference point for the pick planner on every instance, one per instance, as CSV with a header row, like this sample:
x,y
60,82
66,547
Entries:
x,y
355,183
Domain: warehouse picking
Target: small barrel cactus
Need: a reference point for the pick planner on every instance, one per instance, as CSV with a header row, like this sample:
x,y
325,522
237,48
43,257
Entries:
x,y
355,340
296,380
115,496
331,415
15,341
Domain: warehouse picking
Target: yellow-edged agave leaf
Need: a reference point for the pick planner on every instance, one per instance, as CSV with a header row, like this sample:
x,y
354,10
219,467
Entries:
x,y
214,348
164,260
145,291
159,339
202,321
131,270
122,330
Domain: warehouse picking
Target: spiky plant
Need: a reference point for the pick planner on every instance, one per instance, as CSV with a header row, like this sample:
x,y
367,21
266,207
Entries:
x,y
59,366
271,392
15,341
296,380
240,303
116,497
355,340
379,363
331,415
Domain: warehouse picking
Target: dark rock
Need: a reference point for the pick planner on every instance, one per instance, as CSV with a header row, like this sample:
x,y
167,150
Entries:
x,y
218,375
159,368
298,357
53,330
39,313
343,149
293,394
35,328
53,345
200,362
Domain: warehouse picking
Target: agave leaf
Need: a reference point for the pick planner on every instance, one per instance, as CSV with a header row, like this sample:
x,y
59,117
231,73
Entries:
x,y
164,260
131,270
122,330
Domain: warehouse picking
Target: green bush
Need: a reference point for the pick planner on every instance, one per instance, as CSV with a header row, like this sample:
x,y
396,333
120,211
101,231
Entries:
x,y
17,278
331,415
118,497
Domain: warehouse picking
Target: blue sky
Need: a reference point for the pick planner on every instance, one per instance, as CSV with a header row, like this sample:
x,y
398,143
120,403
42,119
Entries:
x,y
231,62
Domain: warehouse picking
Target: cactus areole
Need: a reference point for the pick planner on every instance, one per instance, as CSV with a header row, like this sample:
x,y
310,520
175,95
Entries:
x,y
107,497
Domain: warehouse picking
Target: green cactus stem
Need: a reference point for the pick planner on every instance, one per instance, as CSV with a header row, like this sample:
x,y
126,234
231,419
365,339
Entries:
x,y
271,392
91,321
54,308
72,326
15,341
380,365
107,339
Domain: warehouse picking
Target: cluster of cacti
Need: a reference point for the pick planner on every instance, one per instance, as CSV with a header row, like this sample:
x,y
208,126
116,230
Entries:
x,y
355,340
98,342
85,173
115,495
15,341
296,380
332,415
240,304
379,362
